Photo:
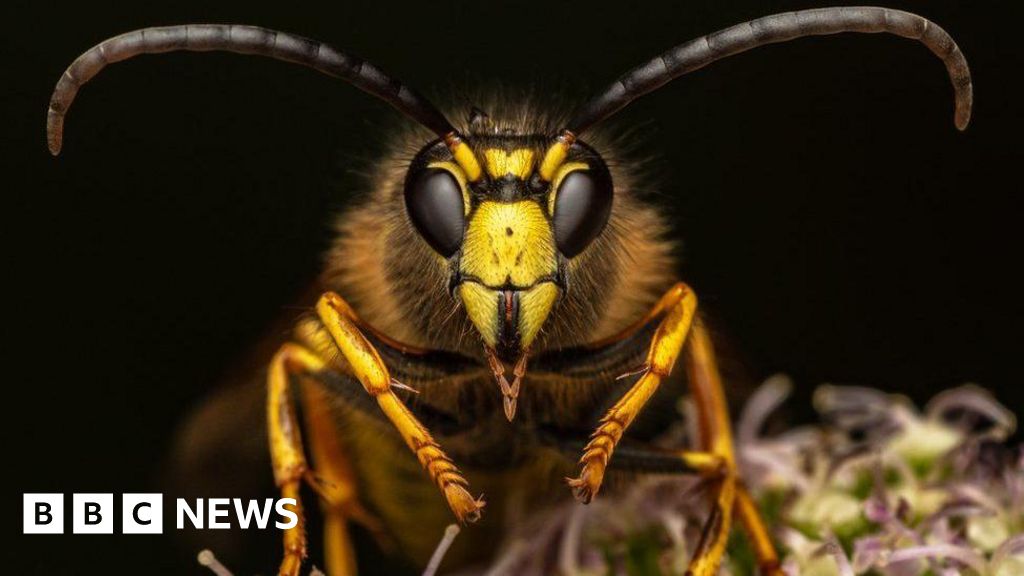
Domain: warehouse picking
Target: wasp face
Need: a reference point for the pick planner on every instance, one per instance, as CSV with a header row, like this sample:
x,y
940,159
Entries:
x,y
507,234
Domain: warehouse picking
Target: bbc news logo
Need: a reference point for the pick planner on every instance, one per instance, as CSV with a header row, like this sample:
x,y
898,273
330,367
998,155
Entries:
x,y
143,513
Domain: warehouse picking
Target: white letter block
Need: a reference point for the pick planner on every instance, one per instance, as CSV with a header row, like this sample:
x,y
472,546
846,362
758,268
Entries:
x,y
142,513
43,514
92,514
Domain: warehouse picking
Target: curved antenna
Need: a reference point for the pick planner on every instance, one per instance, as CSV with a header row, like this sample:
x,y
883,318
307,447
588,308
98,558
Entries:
x,y
240,40
702,51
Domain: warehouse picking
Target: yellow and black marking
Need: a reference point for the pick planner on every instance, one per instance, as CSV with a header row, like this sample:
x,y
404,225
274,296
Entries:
x,y
508,267
517,163
464,156
556,154
508,264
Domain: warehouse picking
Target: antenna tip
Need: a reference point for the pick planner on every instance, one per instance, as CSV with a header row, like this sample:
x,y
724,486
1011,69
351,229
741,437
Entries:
x,y
964,105
54,130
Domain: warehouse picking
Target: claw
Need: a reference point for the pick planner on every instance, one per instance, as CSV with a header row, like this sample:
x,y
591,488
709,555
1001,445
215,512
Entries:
x,y
581,490
588,484
466,508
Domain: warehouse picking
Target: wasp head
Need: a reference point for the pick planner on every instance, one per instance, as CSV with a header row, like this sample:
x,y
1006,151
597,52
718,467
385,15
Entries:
x,y
507,222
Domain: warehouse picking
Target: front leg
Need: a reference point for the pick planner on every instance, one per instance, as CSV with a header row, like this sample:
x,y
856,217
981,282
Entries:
x,y
366,365
678,306
678,327
285,438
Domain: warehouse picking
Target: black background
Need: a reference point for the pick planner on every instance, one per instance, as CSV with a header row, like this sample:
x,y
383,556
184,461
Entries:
x,y
835,222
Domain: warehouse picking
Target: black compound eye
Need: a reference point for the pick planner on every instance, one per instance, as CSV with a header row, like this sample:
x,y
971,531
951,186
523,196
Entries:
x,y
583,203
433,199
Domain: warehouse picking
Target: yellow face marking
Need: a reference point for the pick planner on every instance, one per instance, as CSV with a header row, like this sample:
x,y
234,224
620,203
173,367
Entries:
x,y
482,307
534,306
553,159
459,175
562,172
518,163
508,242
466,159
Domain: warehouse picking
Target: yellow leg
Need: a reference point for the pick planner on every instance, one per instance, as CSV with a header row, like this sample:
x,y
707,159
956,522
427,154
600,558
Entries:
x,y
715,437
367,366
716,455
679,305
334,475
286,451
757,533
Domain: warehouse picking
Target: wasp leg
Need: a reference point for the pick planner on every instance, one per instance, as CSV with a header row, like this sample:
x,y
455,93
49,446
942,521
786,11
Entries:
x,y
678,327
716,437
366,365
334,480
285,438
748,514
679,306
641,457
337,486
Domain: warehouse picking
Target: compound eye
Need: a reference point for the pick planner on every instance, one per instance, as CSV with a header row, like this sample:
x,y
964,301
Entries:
x,y
433,199
583,203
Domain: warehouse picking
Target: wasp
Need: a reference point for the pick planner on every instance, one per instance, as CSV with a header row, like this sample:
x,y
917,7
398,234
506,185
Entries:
x,y
499,311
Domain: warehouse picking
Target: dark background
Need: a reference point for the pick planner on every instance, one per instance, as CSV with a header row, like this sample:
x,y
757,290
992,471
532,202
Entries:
x,y
835,222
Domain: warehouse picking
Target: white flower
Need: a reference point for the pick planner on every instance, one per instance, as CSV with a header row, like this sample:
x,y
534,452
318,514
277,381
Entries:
x,y
920,442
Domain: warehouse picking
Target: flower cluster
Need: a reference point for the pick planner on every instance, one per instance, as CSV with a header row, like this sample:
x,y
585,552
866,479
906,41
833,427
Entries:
x,y
882,488
877,487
